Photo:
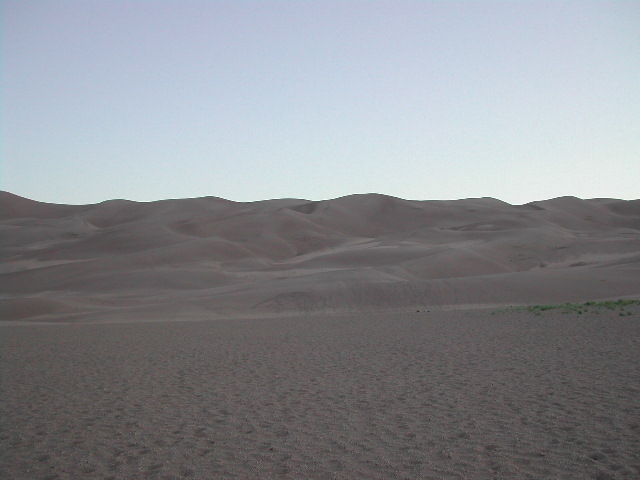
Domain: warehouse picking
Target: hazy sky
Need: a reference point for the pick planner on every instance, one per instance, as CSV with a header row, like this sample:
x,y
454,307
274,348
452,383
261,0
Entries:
x,y
251,100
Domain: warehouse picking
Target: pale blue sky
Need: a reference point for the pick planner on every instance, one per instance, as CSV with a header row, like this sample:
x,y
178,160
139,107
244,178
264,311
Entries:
x,y
147,100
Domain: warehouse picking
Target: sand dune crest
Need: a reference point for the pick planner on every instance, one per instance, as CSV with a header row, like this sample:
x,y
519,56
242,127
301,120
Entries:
x,y
353,253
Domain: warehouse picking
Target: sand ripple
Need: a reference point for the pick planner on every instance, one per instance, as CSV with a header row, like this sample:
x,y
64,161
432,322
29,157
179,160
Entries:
x,y
439,395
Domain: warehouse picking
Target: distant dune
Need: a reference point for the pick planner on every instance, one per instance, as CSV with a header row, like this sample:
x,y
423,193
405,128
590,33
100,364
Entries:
x,y
212,257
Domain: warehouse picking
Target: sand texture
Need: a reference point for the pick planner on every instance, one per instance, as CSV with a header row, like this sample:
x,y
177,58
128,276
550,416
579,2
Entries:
x,y
211,257
339,339
430,395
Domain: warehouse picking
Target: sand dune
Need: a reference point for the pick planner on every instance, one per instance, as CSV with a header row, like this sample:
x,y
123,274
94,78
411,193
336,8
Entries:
x,y
354,253
100,379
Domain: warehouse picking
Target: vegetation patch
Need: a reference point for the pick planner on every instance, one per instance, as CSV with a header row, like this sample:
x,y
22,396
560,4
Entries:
x,y
588,307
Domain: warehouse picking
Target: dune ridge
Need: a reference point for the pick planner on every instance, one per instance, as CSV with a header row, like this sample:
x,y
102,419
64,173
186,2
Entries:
x,y
215,257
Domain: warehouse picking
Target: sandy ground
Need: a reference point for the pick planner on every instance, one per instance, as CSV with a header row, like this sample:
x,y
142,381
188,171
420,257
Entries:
x,y
447,394
117,362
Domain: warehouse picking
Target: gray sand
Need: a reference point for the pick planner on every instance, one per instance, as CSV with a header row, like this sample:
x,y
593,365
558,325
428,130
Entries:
x,y
176,258
459,394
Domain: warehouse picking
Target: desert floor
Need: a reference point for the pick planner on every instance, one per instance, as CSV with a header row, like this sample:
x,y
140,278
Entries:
x,y
447,394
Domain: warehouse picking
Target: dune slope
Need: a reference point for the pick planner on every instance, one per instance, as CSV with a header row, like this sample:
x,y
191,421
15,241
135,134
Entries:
x,y
214,257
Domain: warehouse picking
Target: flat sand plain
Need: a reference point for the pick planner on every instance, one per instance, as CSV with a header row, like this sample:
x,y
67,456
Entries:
x,y
446,394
